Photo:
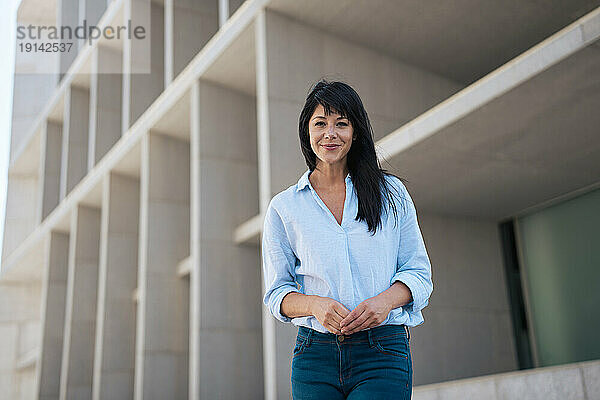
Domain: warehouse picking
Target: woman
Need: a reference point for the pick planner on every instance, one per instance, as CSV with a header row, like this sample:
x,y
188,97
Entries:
x,y
352,275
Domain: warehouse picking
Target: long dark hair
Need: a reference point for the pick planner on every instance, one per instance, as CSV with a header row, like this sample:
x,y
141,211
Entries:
x,y
366,173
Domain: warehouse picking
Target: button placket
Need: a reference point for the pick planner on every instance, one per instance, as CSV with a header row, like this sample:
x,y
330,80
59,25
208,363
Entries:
x,y
346,291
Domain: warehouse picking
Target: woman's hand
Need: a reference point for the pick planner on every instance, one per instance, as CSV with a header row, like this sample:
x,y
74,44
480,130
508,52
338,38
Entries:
x,y
329,313
368,314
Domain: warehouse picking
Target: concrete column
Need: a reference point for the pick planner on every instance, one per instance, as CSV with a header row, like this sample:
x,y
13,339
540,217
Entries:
x,y
223,12
264,186
194,23
143,65
80,316
163,319
114,358
169,42
195,315
51,160
226,173
105,102
74,139
53,315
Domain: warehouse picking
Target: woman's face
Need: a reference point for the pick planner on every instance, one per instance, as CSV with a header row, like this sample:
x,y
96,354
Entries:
x,y
327,130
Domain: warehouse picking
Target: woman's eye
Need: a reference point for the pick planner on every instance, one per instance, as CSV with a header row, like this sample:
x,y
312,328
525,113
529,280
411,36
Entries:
x,y
321,123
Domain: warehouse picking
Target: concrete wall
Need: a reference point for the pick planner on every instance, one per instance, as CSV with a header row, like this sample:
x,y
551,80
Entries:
x,y
68,15
31,93
467,330
194,23
35,81
51,157
393,92
75,136
93,11
19,334
144,59
105,103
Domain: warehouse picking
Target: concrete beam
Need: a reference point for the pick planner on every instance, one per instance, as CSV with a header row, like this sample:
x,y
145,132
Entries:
x,y
249,231
184,268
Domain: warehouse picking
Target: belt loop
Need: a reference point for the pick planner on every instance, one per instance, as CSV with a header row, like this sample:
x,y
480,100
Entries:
x,y
309,337
370,338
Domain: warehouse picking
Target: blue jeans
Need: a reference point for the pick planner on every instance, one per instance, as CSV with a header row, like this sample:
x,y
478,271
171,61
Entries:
x,y
372,364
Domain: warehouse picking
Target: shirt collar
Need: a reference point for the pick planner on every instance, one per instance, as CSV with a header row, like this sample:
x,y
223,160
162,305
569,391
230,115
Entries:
x,y
303,181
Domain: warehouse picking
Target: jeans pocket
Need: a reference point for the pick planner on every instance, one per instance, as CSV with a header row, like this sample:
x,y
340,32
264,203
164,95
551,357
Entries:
x,y
396,345
299,347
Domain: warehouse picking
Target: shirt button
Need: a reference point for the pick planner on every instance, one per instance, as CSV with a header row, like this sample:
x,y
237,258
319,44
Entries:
x,y
341,338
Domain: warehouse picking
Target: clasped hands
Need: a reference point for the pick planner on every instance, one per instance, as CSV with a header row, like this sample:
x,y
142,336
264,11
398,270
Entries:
x,y
338,320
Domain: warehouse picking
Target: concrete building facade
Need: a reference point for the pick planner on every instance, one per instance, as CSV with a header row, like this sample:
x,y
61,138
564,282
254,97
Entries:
x,y
131,263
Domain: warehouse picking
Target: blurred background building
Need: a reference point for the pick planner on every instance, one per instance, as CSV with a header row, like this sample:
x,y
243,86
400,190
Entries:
x,y
131,265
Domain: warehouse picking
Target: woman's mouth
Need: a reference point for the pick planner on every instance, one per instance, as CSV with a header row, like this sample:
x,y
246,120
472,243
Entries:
x,y
331,146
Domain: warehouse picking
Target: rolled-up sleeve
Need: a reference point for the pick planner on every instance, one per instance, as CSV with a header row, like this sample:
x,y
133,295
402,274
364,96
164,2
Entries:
x,y
413,267
278,263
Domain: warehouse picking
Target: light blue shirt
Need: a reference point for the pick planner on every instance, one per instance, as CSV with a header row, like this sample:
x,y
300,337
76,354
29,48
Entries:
x,y
305,250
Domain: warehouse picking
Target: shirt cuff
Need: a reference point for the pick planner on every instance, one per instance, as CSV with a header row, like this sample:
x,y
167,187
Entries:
x,y
420,299
276,310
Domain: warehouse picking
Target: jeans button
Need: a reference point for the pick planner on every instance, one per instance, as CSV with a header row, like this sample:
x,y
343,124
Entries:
x,y
341,338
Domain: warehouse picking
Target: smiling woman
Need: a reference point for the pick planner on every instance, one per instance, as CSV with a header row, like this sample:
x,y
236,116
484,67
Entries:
x,y
344,258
